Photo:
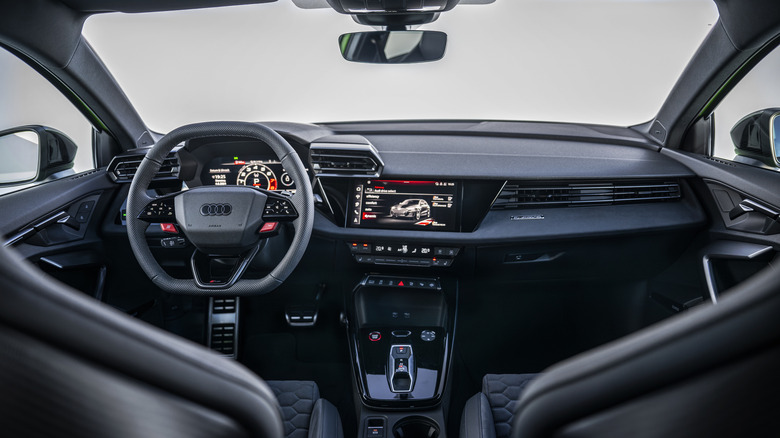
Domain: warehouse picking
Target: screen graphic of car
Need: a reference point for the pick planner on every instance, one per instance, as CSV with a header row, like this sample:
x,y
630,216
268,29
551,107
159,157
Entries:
x,y
411,208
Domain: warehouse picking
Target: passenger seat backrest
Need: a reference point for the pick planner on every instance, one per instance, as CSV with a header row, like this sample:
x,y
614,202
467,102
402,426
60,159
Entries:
x,y
72,366
710,372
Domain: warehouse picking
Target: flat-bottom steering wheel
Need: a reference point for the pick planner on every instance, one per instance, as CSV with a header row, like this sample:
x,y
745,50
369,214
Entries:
x,y
221,222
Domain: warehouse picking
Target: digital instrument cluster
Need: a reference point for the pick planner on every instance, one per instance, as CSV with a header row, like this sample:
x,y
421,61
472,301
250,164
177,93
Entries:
x,y
405,205
258,172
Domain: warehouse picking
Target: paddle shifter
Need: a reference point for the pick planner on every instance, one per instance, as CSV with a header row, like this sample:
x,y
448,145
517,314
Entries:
x,y
400,368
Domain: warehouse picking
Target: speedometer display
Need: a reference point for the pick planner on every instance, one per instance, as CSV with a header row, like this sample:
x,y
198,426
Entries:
x,y
247,171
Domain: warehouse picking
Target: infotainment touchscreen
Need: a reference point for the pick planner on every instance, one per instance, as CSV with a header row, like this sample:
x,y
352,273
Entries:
x,y
406,205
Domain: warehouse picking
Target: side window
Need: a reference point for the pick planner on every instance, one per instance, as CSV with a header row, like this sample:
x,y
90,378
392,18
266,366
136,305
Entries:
x,y
26,98
756,95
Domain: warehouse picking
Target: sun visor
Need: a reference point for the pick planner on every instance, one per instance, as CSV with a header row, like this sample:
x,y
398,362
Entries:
x,y
51,35
749,23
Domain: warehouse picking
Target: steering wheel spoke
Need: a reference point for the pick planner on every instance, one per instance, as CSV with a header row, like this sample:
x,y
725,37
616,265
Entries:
x,y
220,272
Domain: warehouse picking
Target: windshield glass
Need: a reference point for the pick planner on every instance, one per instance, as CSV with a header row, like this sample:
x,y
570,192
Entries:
x,y
607,62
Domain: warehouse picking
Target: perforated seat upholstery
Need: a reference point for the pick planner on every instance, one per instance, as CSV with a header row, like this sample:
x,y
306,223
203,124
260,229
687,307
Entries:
x,y
303,411
491,412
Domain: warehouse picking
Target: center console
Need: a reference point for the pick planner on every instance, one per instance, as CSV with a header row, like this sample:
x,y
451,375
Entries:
x,y
401,314
400,336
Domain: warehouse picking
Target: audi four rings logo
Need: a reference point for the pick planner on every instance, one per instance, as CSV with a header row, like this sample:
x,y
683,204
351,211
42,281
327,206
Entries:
x,y
215,209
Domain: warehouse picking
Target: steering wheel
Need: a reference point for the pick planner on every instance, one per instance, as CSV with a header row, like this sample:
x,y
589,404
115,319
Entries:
x,y
221,222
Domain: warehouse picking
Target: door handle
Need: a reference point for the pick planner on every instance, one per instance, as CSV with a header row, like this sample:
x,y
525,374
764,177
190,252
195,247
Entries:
x,y
748,205
727,249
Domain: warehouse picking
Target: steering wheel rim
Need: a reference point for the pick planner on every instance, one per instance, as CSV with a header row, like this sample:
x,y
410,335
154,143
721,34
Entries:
x,y
302,200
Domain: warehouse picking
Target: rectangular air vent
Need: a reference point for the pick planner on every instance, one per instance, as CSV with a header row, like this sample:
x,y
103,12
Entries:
x,y
350,157
522,195
123,168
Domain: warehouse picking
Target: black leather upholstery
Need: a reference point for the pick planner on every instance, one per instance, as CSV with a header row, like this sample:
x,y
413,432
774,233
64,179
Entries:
x,y
325,421
489,413
74,367
477,420
711,372
48,392
304,413
502,391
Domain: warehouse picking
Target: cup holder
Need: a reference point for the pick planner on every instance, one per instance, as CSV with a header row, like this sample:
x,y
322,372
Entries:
x,y
416,427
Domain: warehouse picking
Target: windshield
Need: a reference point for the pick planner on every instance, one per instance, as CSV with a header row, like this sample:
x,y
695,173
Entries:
x,y
605,62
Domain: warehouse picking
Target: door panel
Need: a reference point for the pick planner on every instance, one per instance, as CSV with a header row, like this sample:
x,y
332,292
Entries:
x,y
56,225
744,234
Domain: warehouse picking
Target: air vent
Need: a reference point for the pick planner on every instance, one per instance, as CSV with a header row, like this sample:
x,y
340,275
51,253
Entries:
x,y
719,161
123,168
84,174
522,195
352,157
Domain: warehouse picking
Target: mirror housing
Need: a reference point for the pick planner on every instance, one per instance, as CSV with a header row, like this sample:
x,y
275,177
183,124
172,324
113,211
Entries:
x,y
33,153
393,46
755,137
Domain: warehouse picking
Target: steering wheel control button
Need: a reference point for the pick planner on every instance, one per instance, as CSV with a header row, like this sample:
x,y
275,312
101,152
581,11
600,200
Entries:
x,y
279,209
374,336
269,227
169,228
157,210
428,335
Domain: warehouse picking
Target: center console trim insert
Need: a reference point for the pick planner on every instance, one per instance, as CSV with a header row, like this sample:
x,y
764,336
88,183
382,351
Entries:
x,y
356,330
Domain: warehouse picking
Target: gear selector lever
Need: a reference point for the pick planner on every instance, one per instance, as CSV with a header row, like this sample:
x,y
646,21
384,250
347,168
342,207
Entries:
x,y
400,368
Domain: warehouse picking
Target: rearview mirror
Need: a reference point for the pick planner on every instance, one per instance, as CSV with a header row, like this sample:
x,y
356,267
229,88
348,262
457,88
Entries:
x,y
393,46
33,153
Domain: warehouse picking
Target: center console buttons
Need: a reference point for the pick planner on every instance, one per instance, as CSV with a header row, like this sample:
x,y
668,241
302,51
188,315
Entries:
x,y
428,335
402,282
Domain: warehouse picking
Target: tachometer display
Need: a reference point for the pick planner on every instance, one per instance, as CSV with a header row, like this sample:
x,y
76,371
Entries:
x,y
255,171
257,175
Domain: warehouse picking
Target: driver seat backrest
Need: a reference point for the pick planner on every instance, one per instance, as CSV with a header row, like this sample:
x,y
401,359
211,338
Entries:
x,y
711,372
74,367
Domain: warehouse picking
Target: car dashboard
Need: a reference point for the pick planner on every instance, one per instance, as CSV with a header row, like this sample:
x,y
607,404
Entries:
x,y
483,187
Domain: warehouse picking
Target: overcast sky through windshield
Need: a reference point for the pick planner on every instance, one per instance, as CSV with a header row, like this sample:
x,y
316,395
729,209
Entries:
x,y
609,62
